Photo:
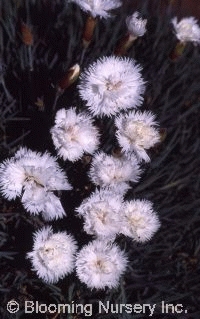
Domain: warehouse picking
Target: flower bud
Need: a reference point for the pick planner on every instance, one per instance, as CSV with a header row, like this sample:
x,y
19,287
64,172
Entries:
x,y
88,31
27,36
136,26
69,78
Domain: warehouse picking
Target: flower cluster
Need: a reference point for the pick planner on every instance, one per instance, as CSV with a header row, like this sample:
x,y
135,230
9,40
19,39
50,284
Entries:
x,y
110,87
101,262
106,214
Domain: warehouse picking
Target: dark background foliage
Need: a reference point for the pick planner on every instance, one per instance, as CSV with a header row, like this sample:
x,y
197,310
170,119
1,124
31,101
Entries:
x,y
166,268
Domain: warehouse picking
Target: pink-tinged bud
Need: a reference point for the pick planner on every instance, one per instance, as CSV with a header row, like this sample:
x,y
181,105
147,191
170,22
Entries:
x,y
69,78
27,36
88,31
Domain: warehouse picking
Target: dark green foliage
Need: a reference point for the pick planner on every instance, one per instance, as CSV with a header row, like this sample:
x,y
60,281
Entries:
x,y
167,268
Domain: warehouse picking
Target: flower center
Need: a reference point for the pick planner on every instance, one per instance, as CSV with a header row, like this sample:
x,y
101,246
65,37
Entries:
x,y
29,178
71,133
137,221
100,212
115,176
101,266
102,216
50,252
186,27
111,86
138,132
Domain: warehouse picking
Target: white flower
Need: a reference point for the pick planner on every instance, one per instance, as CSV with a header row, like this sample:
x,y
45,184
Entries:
x,y
102,214
98,7
136,133
53,254
187,30
136,26
140,221
112,84
73,134
33,177
114,173
100,264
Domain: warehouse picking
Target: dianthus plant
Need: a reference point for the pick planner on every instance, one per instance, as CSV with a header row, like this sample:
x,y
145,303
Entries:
x,y
111,89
